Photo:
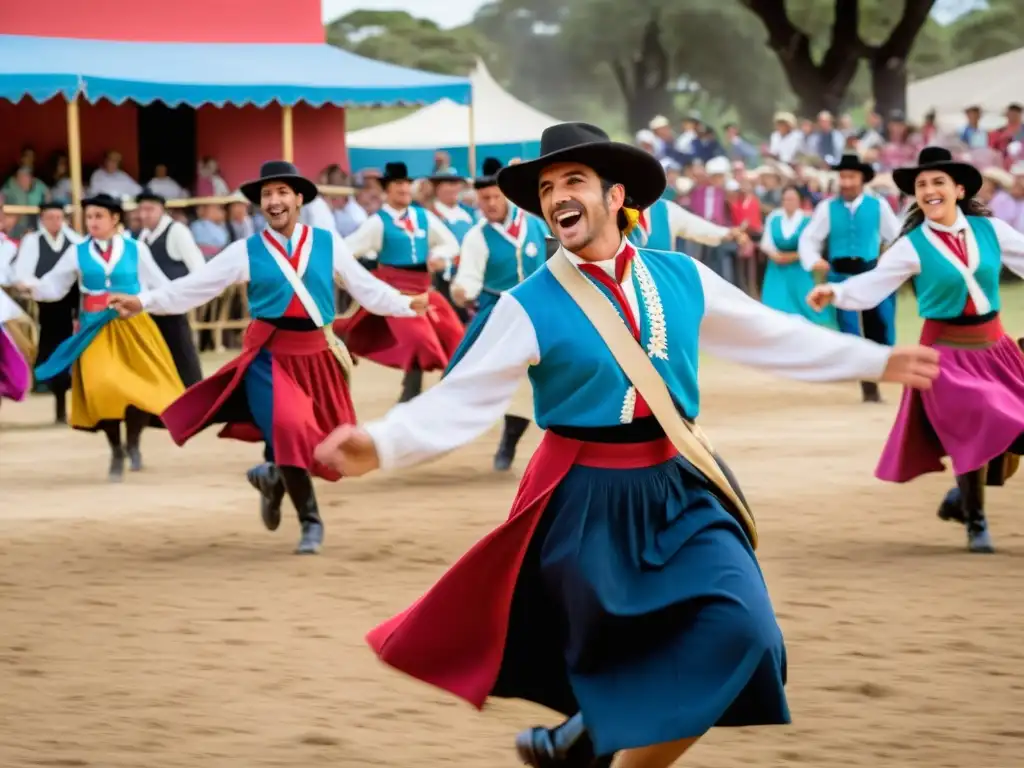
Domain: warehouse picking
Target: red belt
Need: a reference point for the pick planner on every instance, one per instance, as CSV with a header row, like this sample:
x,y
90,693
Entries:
x,y
941,332
263,335
406,280
95,302
625,455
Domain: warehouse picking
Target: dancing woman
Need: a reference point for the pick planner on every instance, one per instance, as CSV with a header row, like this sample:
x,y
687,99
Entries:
x,y
786,282
15,374
121,369
953,251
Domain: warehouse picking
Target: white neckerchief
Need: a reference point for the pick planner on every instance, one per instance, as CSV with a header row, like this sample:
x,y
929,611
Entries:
x,y
55,243
452,213
788,224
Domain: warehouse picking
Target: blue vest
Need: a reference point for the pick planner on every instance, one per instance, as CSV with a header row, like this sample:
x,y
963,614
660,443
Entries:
x,y
269,291
855,235
941,289
783,243
660,238
577,381
124,278
400,249
471,211
458,227
505,261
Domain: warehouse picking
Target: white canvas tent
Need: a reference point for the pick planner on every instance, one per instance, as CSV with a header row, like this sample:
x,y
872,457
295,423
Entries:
x,y
503,127
991,84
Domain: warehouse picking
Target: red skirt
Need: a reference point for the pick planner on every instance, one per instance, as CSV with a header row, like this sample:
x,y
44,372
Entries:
x,y
306,394
426,343
476,593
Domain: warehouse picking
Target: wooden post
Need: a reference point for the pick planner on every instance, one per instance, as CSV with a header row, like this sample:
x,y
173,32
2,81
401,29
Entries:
x,y
287,135
472,137
75,163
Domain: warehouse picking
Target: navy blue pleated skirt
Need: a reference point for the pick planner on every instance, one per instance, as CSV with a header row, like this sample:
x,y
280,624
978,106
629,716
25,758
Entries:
x,y
641,604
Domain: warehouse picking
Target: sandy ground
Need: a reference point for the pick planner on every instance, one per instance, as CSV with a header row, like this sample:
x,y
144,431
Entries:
x,y
157,624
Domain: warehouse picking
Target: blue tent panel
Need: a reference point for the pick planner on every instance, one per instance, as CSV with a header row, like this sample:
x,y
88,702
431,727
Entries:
x,y
421,161
212,73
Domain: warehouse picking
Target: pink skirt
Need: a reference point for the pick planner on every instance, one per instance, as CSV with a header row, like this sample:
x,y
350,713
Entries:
x,y
974,411
15,375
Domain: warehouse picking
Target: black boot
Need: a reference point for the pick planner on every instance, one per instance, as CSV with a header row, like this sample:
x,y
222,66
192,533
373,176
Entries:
x,y
134,422
951,508
972,502
566,746
515,426
412,385
299,486
112,430
870,392
266,479
61,415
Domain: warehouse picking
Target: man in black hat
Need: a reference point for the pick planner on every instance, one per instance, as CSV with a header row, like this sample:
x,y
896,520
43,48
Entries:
x,y
851,228
38,253
623,568
459,218
410,245
176,253
290,383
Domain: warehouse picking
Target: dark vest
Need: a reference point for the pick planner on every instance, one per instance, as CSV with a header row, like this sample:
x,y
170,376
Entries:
x,y
48,257
170,267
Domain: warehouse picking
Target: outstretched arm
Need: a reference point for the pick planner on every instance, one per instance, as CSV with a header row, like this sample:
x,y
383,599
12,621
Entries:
x,y
869,289
228,267
373,294
689,226
812,239
368,239
1011,243
55,284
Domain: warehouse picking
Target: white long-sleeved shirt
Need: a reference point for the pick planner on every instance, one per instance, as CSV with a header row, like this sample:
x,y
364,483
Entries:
x,y
317,213
231,266
8,250
55,284
9,309
475,253
788,224
181,246
689,226
813,239
901,262
28,250
786,147
480,387
368,240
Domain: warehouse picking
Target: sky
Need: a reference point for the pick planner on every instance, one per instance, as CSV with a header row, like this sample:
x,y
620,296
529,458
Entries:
x,y
447,13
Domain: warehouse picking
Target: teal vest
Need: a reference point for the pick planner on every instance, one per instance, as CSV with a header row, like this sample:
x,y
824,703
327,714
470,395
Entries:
x,y
400,249
941,289
783,243
855,235
123,278
458,227
577,382
269,291
660,237
505,260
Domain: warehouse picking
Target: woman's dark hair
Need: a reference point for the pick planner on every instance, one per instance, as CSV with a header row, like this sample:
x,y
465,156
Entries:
x,y
914,216
799,192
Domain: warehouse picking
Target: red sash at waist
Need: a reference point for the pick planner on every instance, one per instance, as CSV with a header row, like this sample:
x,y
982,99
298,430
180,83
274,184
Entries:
x,y
406,280
433,640
95,302
263,335
980,335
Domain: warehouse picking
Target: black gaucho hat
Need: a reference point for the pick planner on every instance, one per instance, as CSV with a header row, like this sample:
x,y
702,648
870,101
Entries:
x,y
394,172
637,171
51,205
149,196
103,200
284,172
939,159
488,173
852,162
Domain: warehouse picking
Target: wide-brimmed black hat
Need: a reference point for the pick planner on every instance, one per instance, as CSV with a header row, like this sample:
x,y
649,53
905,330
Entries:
x,y
448,174
488,173
103,200
51,205
286,173
149,196
939,159
852,162
394,172
636,170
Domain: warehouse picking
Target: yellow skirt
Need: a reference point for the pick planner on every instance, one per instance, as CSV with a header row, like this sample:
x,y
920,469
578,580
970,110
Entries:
x,y
127,364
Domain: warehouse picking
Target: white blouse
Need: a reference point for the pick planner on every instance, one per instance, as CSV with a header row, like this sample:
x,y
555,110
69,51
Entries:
x,y
789,225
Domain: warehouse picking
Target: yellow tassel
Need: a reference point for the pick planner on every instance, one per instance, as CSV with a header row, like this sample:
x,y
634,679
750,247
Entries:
x,y
632,219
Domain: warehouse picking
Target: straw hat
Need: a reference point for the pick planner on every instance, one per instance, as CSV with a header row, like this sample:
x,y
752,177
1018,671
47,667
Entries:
x,y
1003,178
785,117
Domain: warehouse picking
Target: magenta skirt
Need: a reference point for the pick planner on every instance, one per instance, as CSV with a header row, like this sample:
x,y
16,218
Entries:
x,y
974,411
15,375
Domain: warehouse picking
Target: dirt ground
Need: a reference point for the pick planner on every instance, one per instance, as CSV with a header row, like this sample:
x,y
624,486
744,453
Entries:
x,y
157,624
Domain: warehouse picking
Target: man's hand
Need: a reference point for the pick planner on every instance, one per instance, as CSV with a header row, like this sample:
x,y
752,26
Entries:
x,y
419,303
437,263
459,295
126,306
914,366
348,450
820,297
22,290
820,266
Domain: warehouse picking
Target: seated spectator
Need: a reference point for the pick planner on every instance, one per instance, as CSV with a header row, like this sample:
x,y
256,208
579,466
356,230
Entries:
x,y
786,142
240,224
209,182
110,179
60,191
972,134
209,230
163,185
23,188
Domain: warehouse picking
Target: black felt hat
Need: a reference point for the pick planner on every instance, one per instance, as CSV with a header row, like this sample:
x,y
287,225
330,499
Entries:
x,y
939,159
51,205
637,171
148,195
284,172
394,172
103,200
488,173
852,162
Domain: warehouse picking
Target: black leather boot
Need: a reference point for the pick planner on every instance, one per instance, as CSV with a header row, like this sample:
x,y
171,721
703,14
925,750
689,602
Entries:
x,y
951,508
61,415
299,486
134,422
515,426
870,392
566,746
116,472
972,501
266,479
412,385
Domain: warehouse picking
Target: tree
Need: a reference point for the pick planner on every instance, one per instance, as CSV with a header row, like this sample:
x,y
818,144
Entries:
x,y
824,84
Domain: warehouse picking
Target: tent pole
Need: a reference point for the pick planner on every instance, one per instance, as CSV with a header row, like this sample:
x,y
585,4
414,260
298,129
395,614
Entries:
x,y
75,162
287,135
472,136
